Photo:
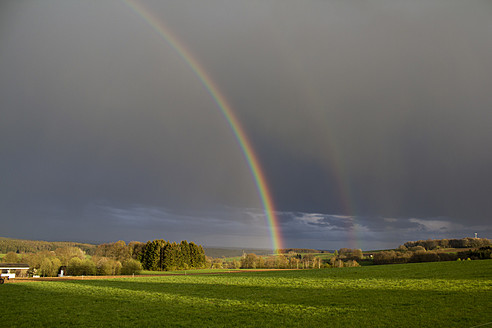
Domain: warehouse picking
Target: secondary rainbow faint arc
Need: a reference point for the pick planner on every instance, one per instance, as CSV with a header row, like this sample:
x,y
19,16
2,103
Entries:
x,y
226,110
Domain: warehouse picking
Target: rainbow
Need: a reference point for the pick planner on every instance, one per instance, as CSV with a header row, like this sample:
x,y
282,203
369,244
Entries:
x,y
227,112
341,176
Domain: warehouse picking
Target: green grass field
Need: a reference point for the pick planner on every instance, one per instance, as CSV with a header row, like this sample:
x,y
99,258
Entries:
x,y
187,272
443,294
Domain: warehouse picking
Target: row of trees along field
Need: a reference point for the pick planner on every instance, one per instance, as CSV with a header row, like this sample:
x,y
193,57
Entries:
x,y
120,258
347,257
435,250
281,261
112,258
291,260
73,261
422,255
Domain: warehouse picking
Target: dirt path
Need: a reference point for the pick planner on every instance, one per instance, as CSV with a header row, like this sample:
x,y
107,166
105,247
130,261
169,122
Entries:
x,y
135,276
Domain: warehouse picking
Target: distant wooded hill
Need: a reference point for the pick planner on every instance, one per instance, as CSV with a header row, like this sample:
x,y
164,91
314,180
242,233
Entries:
x,y
299,250
431,244
217,252
33,246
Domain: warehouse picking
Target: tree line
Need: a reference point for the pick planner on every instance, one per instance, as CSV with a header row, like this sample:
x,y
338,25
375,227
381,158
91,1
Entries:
x,y
410,256
418,254
159,254
432,244
280,261
345,257
73,261
112,258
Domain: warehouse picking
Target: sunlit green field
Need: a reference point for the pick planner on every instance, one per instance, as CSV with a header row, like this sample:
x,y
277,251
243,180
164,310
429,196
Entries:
x,y
445,294
188,272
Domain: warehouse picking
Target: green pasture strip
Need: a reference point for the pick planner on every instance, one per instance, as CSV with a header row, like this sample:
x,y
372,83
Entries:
x,y
2,255
378,251
186,272
314,254
237,258
442,294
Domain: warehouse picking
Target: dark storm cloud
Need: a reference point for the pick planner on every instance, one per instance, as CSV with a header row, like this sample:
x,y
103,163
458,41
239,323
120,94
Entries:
x,y
377,113
97,110
328,231
389,99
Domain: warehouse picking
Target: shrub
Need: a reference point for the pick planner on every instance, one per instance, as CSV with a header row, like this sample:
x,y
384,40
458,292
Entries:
x,y
281,262
104,267
34,260
107,267
249,261
236,264
336,263
351,263
66,253
481,253
88,268
73,267
78,267
49,267
390,257
11,257
422,256
402,248
349,253
447,256
131,266
417,248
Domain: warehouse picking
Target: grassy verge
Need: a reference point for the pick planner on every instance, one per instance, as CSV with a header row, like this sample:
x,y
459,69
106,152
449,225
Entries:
x,y
443,294
186,272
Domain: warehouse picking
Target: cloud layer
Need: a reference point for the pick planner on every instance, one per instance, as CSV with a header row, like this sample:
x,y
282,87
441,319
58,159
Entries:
x,y
378,114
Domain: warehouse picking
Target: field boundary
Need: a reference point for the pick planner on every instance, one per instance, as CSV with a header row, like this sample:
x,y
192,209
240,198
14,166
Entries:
x,y
66,278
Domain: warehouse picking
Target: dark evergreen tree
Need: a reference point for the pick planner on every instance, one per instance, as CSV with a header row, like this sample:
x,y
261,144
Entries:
x,y
163,255
170,257
151,258
185,253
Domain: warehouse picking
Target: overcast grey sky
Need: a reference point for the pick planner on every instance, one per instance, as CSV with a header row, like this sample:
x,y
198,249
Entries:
x,y
372,121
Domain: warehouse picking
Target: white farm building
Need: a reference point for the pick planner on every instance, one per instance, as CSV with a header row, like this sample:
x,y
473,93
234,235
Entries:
x,y
9,270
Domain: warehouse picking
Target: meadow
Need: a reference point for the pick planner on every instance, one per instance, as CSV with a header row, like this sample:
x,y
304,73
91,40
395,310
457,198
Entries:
x,y
188,272
441,294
